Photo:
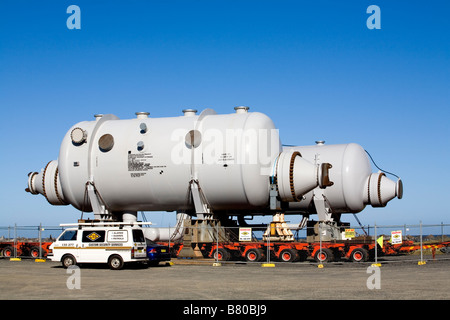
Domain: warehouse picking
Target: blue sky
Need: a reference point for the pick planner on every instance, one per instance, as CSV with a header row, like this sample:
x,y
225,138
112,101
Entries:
x,y
314,68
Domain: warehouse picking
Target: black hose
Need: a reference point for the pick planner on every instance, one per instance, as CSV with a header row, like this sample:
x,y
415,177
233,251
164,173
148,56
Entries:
x,y
380,168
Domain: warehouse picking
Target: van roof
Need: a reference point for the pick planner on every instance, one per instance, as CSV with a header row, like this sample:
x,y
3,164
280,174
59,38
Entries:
x,y
105,224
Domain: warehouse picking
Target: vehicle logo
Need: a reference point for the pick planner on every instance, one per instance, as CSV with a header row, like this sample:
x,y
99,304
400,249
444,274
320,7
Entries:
x,y
93,236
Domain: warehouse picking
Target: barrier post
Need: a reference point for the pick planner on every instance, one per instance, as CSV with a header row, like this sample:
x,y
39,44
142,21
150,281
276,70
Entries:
x,y
319,228
40,258
217,263
40,240
15,245
421,262
268,264
376,264
268,249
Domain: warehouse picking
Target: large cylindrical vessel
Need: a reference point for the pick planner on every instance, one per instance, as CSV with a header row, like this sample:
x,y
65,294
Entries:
x,y
152,164
146,164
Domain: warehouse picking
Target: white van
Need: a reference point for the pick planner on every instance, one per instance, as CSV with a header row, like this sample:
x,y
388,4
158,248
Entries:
x,y
113,243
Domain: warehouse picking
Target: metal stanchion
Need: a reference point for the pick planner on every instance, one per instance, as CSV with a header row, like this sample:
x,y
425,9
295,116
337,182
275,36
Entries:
x,y
376,264
217,263
421,262
40,240
268,264
319,229
15,245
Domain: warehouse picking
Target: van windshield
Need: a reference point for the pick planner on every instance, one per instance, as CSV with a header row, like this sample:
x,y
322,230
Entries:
x,y
138,235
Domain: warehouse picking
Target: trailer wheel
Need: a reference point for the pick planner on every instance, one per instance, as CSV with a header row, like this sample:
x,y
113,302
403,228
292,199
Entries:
x,y
222,254
8,251
325,256
68,260
115,262
34,252
289,255
359,255
254,255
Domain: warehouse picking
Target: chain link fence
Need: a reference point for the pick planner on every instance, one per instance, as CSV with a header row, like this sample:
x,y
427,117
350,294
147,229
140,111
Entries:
x,y
269,243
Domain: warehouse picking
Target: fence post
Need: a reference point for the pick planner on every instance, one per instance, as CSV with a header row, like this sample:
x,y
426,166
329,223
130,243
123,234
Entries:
x,y
268,249
421,262
40,240
170,239
217,263
15,240
268,264
319,228
376,248
376,264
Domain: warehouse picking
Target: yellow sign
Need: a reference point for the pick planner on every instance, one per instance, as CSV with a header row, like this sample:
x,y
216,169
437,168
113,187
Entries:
x,y
396,237
349,233
380,241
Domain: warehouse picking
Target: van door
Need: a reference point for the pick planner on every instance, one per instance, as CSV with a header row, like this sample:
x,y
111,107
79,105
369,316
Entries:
x,y
139,244
66,244
93,246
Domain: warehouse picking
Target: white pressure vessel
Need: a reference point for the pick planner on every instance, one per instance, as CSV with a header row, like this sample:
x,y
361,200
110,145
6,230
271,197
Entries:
x,y
151,164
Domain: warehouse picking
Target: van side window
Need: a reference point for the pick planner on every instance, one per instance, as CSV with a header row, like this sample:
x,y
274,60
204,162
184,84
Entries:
x,y
69,235
138,235
93,236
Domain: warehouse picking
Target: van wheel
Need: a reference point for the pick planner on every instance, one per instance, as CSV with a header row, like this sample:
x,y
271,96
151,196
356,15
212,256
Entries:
x,y
115,262
68,260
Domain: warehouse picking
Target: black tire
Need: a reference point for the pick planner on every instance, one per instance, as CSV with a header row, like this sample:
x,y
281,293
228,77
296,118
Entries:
x,y
153,263
34,252
327,255
224,254
115,262
359,255
8,252
68,260
289,255
254,255
445,249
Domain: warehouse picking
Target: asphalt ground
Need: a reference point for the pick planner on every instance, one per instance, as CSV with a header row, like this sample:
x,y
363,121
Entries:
x,y
399,278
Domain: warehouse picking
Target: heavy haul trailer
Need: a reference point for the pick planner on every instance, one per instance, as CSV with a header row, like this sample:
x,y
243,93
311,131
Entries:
x,y
408,247
296,251
360,250
10,249
357,251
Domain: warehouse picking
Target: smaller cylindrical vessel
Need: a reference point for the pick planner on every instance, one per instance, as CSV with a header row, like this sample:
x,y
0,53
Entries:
x,y
354,184
163,234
